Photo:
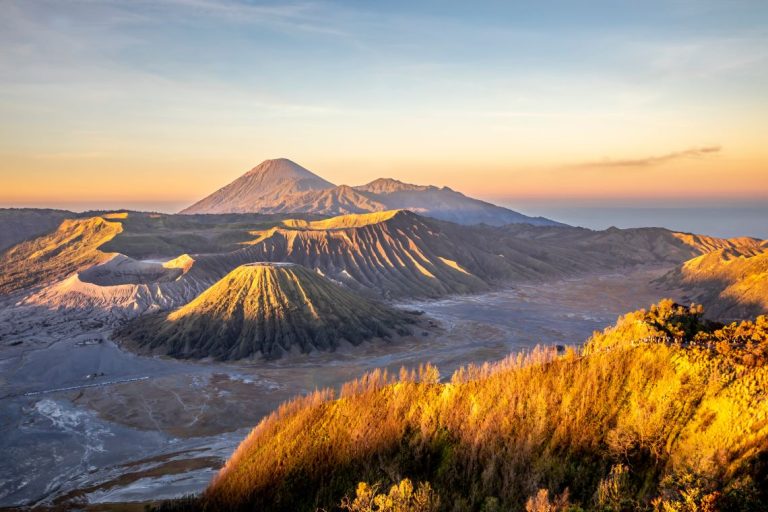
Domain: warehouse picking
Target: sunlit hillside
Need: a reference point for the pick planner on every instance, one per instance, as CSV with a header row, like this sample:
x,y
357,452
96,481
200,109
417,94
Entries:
x,y
19,224
73,246
342,221
662,411
266,309
391,254
732,284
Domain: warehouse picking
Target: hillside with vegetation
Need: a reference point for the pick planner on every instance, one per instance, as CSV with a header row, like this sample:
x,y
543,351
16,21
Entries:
x,y
663,411
730,284
266,309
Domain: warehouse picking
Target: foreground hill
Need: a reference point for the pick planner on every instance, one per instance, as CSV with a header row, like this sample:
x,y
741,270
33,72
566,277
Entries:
x,y
662,411
731,284
282,186
265,309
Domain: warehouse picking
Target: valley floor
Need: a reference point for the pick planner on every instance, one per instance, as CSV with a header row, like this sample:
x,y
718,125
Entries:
x,y
84,421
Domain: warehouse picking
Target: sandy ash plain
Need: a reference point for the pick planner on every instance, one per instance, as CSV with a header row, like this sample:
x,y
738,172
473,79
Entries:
x,y
84,421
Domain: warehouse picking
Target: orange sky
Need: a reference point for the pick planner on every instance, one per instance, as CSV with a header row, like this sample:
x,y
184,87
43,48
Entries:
x,y
653,100
72,178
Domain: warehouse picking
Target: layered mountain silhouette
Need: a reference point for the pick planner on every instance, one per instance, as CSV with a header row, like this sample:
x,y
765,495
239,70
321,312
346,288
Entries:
x,y
391,254
266,309
282,186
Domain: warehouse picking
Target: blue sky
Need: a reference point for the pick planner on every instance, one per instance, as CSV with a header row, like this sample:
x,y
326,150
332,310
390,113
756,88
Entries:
x,y
499,99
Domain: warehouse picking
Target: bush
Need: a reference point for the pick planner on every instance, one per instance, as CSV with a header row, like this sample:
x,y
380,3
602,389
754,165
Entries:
x,y
401,498
661,411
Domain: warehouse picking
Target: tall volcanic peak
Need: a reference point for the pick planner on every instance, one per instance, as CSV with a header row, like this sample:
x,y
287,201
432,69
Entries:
x,y
269,182
267,309
274,172
282,186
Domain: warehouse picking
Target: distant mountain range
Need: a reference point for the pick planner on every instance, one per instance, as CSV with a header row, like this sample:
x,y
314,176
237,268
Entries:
x,y
283,186
128,264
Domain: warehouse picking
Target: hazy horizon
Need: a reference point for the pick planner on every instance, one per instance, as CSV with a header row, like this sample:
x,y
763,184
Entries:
x,y
718,218
303,255
169,100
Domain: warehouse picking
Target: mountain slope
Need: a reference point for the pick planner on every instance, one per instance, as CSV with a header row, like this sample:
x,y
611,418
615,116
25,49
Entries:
x,y
282,186
633,244
443,203
731,284
269,183
267,309
48,258
334,201
401,254
19,224
391,254
661,408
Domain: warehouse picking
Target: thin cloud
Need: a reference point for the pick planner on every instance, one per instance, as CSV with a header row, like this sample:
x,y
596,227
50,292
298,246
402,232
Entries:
x,y
650,161
308,17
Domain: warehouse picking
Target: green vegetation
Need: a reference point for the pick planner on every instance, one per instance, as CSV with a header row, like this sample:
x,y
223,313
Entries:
x,y
663,411
401,497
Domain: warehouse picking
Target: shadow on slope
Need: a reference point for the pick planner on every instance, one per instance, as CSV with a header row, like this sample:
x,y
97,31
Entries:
x,y
266,309
731,284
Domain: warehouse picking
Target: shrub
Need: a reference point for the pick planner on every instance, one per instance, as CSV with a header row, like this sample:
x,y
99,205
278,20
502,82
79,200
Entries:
x,y
662,411
401,498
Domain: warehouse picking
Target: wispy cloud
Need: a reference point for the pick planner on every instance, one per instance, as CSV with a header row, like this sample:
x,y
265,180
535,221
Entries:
x,y
302,16
649,161
707,57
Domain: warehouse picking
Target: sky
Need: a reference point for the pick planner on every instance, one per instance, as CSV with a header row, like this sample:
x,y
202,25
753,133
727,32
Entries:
x,y
156,104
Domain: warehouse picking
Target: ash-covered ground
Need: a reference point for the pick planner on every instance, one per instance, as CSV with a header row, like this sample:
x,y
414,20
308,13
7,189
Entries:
x,y
84,422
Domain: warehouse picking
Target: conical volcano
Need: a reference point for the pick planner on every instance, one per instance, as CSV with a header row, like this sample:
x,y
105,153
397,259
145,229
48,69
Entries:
x,y
265,309
269,182
283,186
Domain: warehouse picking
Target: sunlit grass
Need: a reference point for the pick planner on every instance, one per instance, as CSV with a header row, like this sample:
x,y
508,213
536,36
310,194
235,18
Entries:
x,y
662,411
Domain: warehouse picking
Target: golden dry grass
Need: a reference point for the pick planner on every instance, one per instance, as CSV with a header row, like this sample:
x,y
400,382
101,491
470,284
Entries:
x,y
661,410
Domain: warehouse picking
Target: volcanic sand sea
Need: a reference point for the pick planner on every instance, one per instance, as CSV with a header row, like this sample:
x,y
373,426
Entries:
x,y
152,428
